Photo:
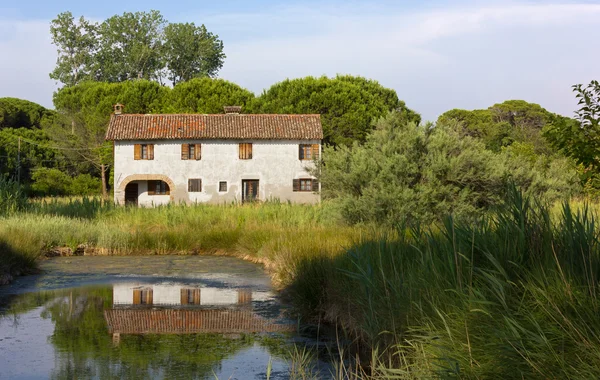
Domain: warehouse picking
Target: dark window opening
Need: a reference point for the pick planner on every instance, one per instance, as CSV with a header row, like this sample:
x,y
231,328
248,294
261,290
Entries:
x,y
194,185
158,188
222,186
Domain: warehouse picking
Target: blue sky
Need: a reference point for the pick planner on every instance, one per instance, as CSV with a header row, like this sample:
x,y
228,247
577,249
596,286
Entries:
x,y
437,55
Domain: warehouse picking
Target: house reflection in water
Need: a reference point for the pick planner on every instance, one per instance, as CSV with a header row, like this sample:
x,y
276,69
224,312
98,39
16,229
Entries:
x,y
181,309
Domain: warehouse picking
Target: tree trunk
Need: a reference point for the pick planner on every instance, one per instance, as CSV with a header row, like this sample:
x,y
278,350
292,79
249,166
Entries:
x,y
103,179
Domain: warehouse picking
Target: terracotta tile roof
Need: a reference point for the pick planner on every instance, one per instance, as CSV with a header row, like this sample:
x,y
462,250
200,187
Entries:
x,y
181,321
226,126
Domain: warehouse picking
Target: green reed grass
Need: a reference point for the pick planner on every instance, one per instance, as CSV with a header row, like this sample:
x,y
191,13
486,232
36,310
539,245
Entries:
x,y
513,295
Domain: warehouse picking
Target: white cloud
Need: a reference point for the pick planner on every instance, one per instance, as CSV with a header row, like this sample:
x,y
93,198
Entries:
x,y
437,59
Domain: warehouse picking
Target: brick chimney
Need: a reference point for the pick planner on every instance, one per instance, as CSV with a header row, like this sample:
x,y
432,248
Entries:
x,y
233,109
118,108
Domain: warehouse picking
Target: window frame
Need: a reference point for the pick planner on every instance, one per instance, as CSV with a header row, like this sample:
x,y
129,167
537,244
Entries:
x,y
299,185
221,185
245,151
191,151
143,151
163,190
308,152
192,185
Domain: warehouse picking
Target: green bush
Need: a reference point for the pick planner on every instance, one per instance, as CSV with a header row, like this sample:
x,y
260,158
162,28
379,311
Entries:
x,y
85,184
48,181
417,173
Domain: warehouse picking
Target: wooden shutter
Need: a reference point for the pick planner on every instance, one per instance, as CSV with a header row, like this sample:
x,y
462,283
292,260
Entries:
x,y
194,185
301,151
196,296
315,185
151,187
296,185
137,152
137,296
198,151
315,151
151,151
149,299
185,151
184,297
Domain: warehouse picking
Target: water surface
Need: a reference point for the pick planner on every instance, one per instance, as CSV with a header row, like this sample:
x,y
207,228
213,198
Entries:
x,y
147,317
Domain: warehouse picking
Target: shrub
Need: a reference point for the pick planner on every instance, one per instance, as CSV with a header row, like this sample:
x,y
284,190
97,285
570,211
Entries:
x,y
85,184
48,181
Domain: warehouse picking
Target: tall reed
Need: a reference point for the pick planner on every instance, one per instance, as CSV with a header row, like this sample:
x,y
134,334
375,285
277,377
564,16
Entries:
x,y
512,295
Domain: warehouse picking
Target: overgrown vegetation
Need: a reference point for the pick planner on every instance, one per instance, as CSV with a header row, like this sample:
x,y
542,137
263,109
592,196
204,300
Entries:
x,y
410,173
513,295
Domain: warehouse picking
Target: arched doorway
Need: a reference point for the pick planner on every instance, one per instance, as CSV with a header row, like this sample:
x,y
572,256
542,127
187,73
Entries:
x,y
131,194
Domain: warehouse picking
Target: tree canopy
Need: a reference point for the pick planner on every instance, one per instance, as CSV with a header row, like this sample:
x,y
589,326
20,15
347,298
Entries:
x,y
347,104
206,95
140,45
580,138
504,124
409,172
19,113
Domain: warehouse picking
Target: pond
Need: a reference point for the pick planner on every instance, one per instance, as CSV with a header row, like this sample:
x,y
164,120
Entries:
x,y
150,317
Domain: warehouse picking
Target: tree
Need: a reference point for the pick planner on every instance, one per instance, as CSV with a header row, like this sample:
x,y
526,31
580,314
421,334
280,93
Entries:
x,y
130,47
191,51
504,124
406,172
84,112
140,45
20,113
348,105
579,138
76,44
206,95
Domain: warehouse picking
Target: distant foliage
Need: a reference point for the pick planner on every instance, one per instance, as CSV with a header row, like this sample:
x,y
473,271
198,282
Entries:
x,y
406,172
19,113
55,182
348,105
140,45
206,95
501,125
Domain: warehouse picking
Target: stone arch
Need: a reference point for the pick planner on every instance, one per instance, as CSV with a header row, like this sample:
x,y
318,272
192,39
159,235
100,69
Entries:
x,y
144,177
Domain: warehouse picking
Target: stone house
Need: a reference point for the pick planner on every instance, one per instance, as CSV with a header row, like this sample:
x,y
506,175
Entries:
x,y
218,158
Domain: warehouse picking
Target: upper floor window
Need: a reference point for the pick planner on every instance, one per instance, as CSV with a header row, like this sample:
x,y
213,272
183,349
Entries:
x,y
143,152
308,151
158,188
245,151
142,296
191,151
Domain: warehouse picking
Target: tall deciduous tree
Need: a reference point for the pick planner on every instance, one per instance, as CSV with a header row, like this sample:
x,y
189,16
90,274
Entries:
x,y
580,138
348,105
77,43
130,47
191,51
140,45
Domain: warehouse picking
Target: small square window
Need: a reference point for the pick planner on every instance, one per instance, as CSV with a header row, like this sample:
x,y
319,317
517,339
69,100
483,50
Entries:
x,y
194,185
223,186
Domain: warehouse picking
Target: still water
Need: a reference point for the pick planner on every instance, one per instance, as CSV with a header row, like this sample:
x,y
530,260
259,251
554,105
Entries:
x,y
148,317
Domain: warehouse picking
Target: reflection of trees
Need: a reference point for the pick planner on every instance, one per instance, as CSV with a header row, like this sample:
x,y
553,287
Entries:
x,y
85,348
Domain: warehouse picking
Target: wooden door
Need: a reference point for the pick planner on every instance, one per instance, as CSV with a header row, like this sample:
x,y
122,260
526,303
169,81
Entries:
x,y
131,194
249,190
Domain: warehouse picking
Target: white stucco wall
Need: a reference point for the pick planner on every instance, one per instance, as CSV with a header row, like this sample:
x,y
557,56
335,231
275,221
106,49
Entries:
x,y
170,295
274,163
